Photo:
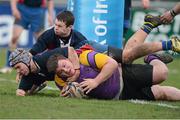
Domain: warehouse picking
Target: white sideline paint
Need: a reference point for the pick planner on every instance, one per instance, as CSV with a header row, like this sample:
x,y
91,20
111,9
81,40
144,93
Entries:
x,y
157,104
14,81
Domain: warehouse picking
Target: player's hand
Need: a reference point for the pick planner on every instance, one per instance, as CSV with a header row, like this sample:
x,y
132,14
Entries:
x,y
166,18
88,85
20,92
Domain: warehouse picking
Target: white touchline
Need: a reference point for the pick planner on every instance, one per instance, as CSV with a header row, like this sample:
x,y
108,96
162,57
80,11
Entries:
x,y
150,103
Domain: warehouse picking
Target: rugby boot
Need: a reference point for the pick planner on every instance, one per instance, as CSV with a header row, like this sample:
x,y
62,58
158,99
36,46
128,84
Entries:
x,y
175,44
164,57
155,21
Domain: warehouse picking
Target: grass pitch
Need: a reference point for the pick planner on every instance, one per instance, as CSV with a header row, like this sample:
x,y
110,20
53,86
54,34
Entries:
x,y
47,104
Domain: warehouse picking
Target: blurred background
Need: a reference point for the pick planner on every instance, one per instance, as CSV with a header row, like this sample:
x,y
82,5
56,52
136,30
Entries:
x,y
157,7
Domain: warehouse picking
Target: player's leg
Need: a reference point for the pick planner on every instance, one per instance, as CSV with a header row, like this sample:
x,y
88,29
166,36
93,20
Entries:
x,y
136,47
147,48
37,20
147,75
17,30
166,93
160,70
140,50
19,26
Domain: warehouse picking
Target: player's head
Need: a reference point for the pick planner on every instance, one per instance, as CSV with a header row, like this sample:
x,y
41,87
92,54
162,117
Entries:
x,y
64,23
62,66
20,59
67,17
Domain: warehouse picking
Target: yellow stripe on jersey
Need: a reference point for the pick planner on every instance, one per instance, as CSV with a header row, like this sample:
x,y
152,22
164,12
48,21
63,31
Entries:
x,y
59,81
93,59
101,60
83,59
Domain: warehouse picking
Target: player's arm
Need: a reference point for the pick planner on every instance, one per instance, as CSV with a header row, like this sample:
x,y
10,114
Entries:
x,y
14,9
50,11
176,8
168,16
42,43
104,63
107,70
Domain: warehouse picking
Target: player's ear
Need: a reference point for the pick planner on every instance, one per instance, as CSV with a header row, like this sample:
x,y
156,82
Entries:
x,y
70,26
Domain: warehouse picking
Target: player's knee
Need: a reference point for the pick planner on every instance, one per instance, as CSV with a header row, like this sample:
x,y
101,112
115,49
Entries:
x,y
164,73
126,56
20,92
160,73
159,92
115,53
15,38
13,43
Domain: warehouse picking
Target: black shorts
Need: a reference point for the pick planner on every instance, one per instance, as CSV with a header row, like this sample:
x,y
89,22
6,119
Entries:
x,y
33,79
137,81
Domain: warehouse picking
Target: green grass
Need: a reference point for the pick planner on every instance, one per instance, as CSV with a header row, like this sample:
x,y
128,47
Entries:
x,y
48,104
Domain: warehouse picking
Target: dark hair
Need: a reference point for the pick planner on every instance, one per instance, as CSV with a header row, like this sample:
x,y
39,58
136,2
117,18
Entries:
x,y
52,62
67,17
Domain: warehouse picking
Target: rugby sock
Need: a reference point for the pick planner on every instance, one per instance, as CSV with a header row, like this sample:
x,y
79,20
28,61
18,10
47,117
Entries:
x,y
167,45
150,57
147,27
7,58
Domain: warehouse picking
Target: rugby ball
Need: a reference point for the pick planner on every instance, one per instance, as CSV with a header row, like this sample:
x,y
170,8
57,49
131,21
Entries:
x,y
73,90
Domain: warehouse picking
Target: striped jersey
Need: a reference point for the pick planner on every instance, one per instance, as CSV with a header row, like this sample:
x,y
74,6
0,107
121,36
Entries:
x,y
91,65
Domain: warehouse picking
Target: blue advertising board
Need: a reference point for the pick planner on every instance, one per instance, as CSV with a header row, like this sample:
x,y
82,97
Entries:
x,y
99,20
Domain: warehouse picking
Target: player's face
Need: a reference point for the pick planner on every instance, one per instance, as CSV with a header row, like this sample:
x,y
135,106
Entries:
x,y
65,68
22,69
61,29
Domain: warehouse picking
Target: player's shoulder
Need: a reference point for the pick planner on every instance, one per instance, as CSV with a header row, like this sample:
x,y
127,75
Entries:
x,y
49,30
90,56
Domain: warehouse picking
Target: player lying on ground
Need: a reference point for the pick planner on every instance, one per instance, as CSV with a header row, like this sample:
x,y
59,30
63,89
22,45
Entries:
x,y
102,77
32,69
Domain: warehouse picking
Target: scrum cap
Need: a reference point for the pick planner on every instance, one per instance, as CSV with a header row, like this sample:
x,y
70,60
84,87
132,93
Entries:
x,y
19,55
